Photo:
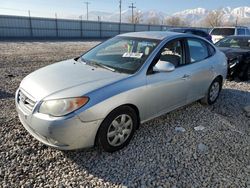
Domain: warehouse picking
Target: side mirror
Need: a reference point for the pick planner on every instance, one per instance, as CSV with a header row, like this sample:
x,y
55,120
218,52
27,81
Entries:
x,y
163,66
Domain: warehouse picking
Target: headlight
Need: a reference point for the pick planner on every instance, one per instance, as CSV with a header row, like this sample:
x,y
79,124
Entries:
x,y
61,107
233,63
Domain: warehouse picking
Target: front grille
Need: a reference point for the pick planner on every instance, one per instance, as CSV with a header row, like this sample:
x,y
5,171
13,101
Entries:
x,y
25,101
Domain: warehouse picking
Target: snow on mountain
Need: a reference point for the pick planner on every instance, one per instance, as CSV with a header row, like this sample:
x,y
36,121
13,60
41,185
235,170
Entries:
x,y
193,16
243,12
153,14
197,11
126,14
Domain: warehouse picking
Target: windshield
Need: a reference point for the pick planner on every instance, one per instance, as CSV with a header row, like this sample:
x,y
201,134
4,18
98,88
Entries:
x,y
223,31
122,54
235,43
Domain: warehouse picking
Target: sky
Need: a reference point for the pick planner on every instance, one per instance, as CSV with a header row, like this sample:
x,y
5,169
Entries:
x,y
77,7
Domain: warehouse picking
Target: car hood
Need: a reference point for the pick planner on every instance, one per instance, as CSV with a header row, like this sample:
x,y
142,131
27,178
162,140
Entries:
x,y
232,53
67,79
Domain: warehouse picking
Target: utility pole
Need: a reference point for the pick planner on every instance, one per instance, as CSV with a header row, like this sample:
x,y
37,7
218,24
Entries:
x,y
87,6
81,25
120,7
236,22
56,25
30,23
132,7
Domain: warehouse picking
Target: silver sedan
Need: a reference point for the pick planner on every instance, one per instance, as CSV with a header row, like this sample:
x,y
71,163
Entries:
x,y
103,96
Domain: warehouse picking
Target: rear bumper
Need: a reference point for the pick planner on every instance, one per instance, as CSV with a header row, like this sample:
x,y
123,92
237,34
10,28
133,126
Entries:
x,y
61,133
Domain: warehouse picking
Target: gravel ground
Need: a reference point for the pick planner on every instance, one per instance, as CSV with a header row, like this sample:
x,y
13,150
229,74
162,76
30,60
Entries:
x,y
195,146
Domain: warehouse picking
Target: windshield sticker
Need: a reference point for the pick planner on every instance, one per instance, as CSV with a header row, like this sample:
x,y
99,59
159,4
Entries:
x,y
133,55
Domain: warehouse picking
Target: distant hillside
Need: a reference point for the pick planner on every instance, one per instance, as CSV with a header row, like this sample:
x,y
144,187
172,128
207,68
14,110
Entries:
x,y
192,16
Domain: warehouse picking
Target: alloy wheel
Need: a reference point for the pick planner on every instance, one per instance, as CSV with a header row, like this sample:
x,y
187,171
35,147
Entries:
x,y
119,130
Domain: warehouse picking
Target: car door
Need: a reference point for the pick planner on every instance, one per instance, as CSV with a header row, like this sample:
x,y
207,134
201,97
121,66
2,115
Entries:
x,y
200,68
168,89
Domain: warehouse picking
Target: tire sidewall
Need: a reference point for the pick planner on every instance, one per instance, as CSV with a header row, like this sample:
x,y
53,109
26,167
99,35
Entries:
x,y
103,130
209,90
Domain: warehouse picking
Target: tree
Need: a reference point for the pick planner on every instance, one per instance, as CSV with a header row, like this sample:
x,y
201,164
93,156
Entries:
x,y
214,18
137,18
176,21
153,21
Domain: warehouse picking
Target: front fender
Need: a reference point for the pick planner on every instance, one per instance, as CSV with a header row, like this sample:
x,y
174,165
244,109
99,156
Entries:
x,y
137,97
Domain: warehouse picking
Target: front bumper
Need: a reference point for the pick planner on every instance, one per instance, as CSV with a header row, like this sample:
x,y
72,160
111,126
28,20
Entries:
x,y
64,133
233,70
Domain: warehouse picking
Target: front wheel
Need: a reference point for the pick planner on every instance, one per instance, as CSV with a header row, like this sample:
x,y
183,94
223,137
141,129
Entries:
x,y
213,92
117,129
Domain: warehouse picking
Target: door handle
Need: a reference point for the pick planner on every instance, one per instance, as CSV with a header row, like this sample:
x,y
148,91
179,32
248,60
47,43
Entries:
x,y
186,76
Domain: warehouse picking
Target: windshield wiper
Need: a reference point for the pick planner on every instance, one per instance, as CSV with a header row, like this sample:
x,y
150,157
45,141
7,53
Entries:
x,y
95,64
106,67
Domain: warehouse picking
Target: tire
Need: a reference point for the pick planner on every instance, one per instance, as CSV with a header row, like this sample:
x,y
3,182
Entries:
x,y
245,74
117,129
213,92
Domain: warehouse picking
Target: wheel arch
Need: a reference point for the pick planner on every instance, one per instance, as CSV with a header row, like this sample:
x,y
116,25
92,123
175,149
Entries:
x,y
134,107
220,77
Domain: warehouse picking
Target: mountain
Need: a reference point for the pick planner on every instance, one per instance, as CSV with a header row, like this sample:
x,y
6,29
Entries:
x,y
192,16
243,12
195,16
126,14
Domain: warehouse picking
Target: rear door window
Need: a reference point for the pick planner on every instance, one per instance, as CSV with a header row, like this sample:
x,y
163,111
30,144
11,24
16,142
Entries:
x,y
241,31
223,31
197,49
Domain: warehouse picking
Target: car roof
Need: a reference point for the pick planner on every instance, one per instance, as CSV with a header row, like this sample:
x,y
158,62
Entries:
x,y
239,36
158,35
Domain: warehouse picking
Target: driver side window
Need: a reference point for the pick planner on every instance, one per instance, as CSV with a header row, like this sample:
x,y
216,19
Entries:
x,y
172,53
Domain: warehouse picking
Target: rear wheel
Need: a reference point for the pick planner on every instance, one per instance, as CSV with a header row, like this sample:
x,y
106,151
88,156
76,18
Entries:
x,y
213,92
117,129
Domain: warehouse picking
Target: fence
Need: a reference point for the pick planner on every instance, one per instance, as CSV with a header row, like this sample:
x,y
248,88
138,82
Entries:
x,y
35,27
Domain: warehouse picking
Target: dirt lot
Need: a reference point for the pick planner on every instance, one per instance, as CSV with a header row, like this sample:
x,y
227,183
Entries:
x,y
166,152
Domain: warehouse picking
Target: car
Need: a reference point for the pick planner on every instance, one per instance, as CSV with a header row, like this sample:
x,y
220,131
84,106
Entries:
x,y
198,32
101,97
218,33
237,50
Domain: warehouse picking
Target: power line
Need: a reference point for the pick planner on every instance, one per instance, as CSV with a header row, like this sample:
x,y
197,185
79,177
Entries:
x,y
132,7
87,6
